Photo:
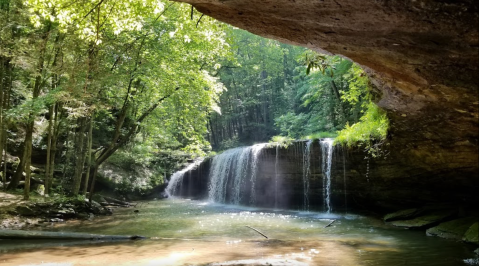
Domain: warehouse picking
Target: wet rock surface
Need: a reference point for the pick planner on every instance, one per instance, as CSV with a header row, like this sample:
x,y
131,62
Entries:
x,y
439,221
472,234
454,229
426,219
403,214
66,210
23,214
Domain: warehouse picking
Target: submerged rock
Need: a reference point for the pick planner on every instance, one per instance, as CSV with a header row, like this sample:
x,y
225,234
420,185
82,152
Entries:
x,y
454,229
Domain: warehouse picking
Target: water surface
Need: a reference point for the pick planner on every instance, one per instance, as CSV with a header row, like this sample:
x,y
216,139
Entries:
x,y
187,232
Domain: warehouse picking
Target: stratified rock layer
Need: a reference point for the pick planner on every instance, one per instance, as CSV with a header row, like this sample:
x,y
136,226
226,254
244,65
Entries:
x,y
422,57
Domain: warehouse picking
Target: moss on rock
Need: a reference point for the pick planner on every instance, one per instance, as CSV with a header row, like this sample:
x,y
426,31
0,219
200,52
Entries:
x,y
427,219
472,234
454,229
402,214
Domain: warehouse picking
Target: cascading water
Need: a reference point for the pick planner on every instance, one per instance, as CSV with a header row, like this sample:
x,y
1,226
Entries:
x,y
234,164
276,177
345,182
177,178
219,174
240,174
256,149
327,156
306,174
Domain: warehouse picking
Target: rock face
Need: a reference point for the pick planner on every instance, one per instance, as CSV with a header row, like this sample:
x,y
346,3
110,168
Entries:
x,y
422,57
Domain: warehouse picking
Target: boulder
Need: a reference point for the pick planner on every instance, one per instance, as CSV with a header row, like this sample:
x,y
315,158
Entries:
x,y
425,220
454,229
99,198
402,214
25,211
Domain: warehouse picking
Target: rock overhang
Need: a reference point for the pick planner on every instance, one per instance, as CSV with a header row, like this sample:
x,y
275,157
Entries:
x,y
422,57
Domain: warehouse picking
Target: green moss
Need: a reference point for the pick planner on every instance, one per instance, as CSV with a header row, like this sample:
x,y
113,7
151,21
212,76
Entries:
x,y
472,234
402,214
426,219
454,229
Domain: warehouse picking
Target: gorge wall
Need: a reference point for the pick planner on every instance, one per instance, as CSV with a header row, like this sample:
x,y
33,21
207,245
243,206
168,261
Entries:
x,y
358,181
422,57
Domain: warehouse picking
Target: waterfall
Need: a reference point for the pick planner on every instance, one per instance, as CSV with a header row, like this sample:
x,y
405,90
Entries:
x,y
255,150
219,174
228,172
327,156
276,177
345,182
177,177
306,174
240,174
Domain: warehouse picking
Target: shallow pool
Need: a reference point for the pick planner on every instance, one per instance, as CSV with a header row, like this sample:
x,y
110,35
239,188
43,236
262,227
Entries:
x,y
184,232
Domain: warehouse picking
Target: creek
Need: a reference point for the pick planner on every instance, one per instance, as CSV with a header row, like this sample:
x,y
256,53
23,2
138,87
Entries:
x,y
188,232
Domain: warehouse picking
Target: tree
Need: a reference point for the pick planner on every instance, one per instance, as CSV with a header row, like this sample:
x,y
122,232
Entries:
x,y
119,61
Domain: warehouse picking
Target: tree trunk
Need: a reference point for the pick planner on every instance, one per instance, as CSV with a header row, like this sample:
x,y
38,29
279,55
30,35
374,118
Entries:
x,y
66,162
335,90
28,158
2,92
5,165
25,235
18,172
93,180
49,148
88,159
55,133
6,84
79,157
30,123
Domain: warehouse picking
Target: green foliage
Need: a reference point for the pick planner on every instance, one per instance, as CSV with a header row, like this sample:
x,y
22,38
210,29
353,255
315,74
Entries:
x,y
370,131
315,61
281,141
292,125
143,69
260,87
229,143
